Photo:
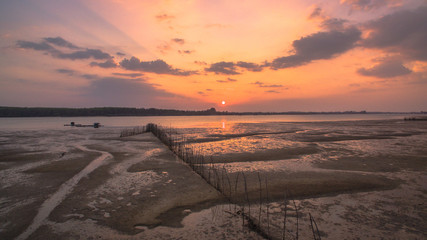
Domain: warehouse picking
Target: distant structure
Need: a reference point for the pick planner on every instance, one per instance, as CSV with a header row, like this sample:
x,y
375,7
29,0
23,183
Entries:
x,y
73,124
417,118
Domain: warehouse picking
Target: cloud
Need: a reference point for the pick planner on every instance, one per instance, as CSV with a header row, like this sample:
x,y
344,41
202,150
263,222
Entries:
x,y
178,40
43,46
228,68
367,5
320,45
327,22
317,12
227,80
250,66
185,51
164,47
132,75
386,69
107,64
272,91
120,54
231,68
163,17
261,84
158,66
333,24
60,42
89,76
403,32
69,72
202,93
84,54
200,63
46,46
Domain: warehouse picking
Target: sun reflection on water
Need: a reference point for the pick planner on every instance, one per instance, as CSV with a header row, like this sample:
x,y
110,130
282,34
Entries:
x,y
307,142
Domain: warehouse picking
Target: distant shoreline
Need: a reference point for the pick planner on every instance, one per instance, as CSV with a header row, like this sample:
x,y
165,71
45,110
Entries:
x,y
141,112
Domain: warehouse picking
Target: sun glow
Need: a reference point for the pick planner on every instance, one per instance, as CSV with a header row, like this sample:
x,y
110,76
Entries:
x,y
223,102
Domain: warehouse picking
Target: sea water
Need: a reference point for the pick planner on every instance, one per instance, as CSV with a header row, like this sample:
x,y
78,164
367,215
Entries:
x,y
36,123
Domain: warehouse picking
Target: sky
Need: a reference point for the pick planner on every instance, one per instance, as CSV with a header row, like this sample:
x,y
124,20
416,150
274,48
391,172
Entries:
x,y
302,55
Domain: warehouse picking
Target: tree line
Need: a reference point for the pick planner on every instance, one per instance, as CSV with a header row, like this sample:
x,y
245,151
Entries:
x,y
98,111
126,111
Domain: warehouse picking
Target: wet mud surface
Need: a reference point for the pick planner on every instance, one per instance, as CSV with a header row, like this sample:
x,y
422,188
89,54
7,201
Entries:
x,y
364,179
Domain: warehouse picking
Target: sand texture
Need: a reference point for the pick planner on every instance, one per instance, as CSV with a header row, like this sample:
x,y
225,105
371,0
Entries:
x,y
92,184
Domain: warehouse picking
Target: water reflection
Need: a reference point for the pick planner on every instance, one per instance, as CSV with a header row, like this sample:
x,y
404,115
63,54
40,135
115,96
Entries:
x,y
307,141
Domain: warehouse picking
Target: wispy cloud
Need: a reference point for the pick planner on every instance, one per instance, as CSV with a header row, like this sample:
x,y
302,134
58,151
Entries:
x,y
250,66
272,91
178,40
132,75
84,54
107,64
385,69
367,5
158,66
228,68
47,46
201,93
60,42
202,63
227,80
403,32
263,85
163,17
327,22
69,72
41,46
320,45
231,68
185,51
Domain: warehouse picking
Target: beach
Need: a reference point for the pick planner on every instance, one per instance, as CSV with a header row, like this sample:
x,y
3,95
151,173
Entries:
x,y
357,179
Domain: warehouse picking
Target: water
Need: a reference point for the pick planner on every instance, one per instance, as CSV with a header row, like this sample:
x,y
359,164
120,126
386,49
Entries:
x,y
37,123
363,145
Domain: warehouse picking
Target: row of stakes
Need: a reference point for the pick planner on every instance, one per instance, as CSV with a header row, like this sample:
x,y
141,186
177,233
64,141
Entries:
x,y
218,177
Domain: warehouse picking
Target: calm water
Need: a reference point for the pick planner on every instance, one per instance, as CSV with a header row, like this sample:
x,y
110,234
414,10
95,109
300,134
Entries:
x,y
181,121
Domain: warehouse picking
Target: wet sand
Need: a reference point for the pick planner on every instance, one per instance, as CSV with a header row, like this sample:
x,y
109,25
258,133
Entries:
x,y
89,183
102,185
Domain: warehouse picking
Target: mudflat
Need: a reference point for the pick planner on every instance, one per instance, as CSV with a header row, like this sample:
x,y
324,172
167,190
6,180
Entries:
x,y
90,183
67,184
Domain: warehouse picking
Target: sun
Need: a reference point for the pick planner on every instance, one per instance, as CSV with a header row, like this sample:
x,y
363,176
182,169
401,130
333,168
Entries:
x,y
223,102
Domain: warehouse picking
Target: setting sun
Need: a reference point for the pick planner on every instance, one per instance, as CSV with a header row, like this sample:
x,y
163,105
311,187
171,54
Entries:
x,y
119,105
270,56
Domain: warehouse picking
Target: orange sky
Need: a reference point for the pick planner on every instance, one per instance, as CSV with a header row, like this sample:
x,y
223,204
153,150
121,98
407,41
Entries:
x,y
254,55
